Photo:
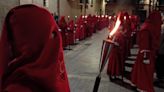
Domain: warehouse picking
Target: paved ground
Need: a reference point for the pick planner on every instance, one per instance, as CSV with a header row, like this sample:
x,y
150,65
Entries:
x,y
82,65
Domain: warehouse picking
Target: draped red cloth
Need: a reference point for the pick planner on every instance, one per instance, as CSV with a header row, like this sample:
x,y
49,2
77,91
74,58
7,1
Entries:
x,y
134,22
71,33
90,25
80,31
142,74
116,57
94,22
126,24
127,27
31,55
100,23
134,27
85,27
63,26
77,34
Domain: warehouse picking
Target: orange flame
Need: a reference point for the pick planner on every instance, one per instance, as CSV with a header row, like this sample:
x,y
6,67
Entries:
x,y
117,24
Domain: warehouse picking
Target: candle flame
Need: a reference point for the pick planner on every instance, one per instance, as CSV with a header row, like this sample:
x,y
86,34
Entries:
x,y
110,17
86,16
117,24
124,17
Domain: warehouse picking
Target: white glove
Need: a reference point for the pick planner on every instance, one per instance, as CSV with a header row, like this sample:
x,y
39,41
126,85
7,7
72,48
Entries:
x,y
59,30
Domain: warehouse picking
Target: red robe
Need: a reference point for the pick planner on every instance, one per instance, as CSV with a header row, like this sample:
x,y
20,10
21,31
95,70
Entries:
x,y
71,32
77,34
100,23
127,27
80,28
63,26
31,55
117,56
142,74
89,26
94,21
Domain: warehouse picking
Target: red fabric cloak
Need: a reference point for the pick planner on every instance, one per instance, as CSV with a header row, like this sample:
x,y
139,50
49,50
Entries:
x,y
71,32
117,56
64,33
142,74
31,54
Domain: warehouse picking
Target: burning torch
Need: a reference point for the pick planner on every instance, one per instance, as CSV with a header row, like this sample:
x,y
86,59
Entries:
x,y
105,52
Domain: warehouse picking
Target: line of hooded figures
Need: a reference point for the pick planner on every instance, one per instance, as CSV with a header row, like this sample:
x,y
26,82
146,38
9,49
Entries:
x,y
146,36
80,28
31,53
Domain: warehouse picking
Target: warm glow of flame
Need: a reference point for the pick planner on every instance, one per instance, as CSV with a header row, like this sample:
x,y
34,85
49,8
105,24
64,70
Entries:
x,y
110,17
86,16
106,16
117,24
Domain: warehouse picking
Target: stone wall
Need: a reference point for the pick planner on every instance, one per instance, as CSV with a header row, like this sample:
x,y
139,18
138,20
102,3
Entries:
x,y
67,7
5,6
120,5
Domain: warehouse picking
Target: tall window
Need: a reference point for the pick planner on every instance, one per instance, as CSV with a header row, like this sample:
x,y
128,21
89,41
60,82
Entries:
x,y
45,3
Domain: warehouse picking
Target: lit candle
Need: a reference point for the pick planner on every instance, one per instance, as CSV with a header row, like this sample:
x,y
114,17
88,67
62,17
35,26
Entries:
x,y
110,17
124,17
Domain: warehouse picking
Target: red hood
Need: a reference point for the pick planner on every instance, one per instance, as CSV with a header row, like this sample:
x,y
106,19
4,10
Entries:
x,y
31,47
155,17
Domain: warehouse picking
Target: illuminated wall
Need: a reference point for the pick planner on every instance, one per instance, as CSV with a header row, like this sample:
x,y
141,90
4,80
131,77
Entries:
x,y
67,7
5,6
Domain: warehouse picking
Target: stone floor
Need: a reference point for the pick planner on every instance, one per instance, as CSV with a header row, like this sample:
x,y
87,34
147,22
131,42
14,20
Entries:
x,y
82,63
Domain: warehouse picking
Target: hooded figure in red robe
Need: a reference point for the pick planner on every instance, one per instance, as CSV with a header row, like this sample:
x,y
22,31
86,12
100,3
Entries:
x,y
134,26
63,29
77,24
31,54
143,70
80,30
94,21
89,26
71,32
128,31
100,23
117,56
